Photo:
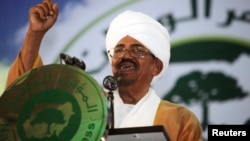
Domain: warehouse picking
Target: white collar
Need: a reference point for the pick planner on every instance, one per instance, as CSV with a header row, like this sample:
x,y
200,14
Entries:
x,y
142,114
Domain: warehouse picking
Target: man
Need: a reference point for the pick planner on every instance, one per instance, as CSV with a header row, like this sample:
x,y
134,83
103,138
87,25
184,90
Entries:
x,y
138,48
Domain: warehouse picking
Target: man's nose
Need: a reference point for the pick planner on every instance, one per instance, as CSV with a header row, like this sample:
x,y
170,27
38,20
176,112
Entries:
x,y
127,53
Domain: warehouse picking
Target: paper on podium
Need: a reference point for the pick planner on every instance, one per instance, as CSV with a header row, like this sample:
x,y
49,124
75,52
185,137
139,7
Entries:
x,y
148,133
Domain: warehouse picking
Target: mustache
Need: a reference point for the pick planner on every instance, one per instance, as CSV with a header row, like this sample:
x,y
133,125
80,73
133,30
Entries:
x,y
124,60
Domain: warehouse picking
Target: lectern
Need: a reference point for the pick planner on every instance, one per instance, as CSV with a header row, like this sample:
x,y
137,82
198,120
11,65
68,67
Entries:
x,y
148,133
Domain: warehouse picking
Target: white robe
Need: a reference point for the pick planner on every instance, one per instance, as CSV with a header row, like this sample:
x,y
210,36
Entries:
x,y
141,114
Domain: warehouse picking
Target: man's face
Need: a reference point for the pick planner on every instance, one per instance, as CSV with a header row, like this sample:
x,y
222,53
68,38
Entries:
x,y
130,68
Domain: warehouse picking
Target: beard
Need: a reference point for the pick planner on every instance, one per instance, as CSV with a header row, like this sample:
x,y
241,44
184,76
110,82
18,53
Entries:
x,y
125,80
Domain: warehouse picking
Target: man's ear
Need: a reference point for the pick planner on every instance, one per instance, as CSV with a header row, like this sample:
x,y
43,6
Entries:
x,y
158,65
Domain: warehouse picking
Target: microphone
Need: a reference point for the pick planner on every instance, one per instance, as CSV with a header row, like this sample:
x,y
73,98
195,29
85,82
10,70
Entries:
x,y
110,83
73,61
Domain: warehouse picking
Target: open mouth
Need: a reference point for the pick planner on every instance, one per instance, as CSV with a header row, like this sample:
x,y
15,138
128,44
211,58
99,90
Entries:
x,y
126,66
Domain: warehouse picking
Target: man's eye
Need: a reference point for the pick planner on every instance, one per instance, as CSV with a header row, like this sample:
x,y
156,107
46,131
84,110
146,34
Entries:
x,y
118,50
139,50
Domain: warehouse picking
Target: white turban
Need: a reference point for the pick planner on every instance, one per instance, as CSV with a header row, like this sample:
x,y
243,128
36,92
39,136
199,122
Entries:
x,y
144,29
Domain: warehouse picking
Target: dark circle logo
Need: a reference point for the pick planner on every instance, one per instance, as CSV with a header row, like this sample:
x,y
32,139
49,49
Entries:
x,y
49,115
54,103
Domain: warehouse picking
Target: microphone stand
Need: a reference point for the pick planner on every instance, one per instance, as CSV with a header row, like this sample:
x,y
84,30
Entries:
x,y
111,118
111,100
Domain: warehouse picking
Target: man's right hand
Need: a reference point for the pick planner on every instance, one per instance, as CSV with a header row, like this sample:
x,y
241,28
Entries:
x,y
43,16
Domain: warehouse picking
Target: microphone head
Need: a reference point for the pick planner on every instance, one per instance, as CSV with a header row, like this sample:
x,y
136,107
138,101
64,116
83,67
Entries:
x,y
110,83
79,63
67,59
73,61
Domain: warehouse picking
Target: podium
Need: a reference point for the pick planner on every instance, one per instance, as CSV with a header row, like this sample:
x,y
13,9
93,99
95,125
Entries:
x,y
148,133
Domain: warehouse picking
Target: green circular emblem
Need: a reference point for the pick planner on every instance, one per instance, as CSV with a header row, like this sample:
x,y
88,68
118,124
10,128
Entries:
x,y
53,103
